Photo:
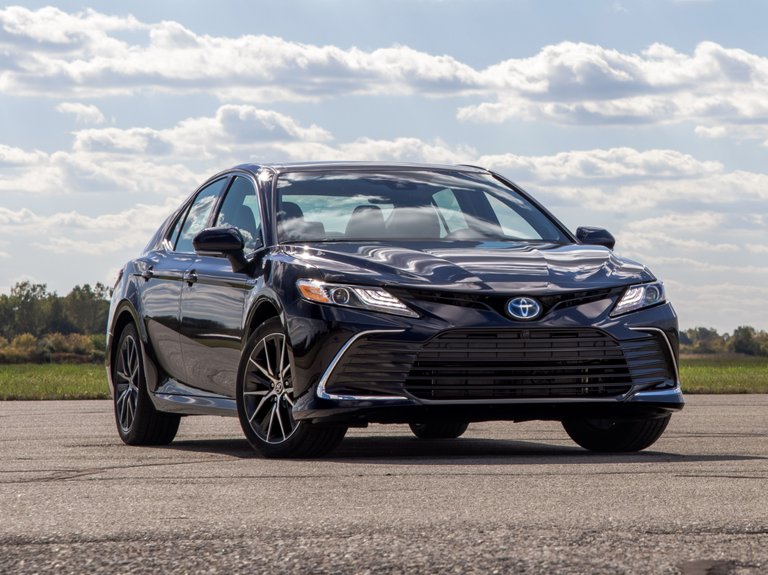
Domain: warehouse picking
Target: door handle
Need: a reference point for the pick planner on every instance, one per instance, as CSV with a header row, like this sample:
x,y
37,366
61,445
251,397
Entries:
x,y
148,274
190,277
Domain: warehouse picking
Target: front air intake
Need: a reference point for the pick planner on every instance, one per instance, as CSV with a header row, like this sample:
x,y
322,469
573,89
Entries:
x,y
520,363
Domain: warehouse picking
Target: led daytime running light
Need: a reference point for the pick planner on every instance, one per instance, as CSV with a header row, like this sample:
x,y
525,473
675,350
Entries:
x,y
640,296
370,298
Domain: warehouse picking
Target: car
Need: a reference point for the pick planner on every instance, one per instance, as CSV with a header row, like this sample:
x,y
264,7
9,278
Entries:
x,y
310,298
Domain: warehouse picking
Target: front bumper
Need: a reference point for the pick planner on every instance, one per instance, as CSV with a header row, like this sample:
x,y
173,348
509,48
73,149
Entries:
x,y
364,369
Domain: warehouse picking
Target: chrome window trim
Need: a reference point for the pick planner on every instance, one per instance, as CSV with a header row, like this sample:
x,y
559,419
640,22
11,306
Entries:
x,y
669,346
191,200
229,174
322,394
222,198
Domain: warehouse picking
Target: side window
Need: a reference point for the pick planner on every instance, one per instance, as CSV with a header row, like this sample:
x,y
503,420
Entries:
x,y
198,214
173,233
241,210
512,223
446,202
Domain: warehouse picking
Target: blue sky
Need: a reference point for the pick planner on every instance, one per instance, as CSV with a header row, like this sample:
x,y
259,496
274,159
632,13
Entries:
x,y
647,117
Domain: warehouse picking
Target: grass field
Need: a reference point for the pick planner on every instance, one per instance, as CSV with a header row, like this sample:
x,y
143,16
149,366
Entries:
x,y
89,381
724,375
53,381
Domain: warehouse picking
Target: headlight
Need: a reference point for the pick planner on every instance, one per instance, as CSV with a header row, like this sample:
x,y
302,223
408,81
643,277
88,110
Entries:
x,y
640,296
361,297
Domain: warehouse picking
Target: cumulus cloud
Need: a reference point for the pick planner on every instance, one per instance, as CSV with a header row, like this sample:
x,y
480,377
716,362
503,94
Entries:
x,y
650,240
233,128
78,172
17,157
177,158
719,304
698,265
74,54
702,221
88,114
73,232
612,164
104,160
723,90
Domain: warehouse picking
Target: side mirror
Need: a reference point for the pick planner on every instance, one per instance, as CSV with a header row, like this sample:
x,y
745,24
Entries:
x,y
225,241
596,237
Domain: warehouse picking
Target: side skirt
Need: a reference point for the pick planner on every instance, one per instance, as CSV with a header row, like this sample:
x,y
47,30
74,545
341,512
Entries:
x,y
175,397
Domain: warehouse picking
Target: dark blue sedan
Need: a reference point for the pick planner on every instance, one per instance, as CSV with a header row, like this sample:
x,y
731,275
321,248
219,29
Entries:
x,y
306,299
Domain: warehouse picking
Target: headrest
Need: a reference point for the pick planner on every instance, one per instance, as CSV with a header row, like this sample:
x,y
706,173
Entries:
x,y
414,222
289,211
366,222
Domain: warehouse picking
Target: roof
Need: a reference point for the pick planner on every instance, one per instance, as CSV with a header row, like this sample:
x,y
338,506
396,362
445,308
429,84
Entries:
x,y
363,166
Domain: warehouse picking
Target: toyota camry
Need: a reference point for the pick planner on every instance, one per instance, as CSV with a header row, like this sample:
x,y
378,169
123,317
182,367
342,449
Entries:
x,y
306,299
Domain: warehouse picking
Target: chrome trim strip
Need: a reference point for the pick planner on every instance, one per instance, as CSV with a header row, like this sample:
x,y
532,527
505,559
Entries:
x,y
669,345
652,395
220,336
322,394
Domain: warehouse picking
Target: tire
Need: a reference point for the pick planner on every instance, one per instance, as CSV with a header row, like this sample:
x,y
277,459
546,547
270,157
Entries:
x,y
438,430
138,422
608,437
265,400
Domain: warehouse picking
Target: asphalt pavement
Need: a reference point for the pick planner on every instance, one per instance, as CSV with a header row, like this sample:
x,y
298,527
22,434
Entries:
x,y
505,498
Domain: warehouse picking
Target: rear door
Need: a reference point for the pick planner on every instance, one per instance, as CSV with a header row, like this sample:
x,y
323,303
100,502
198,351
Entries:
x,y
213,299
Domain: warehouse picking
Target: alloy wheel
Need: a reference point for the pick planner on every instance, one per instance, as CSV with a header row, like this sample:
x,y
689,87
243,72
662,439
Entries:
x,y
127,383
268,390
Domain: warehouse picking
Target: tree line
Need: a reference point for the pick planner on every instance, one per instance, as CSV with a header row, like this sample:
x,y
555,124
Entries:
x,y
744,339
40,326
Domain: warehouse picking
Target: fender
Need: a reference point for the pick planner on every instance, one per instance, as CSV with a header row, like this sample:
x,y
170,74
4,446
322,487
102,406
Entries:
x,y
125,299
253,318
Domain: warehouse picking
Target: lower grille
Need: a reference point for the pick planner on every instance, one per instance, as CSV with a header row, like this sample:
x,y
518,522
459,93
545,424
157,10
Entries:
x,y
519,363
504,364
375,367
648,362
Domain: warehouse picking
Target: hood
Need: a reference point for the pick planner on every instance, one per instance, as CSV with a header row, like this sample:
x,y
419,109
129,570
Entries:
x,y
471,266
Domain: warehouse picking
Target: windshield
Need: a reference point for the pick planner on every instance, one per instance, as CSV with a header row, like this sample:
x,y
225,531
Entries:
x,y
364,206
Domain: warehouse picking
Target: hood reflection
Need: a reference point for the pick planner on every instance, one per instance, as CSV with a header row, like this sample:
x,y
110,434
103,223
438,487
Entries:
x,y
473,265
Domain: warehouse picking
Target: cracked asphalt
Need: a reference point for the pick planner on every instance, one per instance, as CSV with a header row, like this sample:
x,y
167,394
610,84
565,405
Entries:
x,y
505,498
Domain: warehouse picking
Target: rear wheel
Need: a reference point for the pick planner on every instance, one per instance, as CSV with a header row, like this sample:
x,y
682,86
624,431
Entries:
x,y
265,400
138,422
438,430
614,437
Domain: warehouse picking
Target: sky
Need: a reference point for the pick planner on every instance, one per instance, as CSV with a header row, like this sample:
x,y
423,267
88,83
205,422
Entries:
x,y
646,117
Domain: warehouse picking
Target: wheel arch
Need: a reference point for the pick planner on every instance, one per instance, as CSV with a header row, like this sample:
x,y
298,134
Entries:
x,y
263,309
125,315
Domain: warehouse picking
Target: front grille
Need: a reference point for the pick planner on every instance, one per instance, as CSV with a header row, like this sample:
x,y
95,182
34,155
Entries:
x,y
520,363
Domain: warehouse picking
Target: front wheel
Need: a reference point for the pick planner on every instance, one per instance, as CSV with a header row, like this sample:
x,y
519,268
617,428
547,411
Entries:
x,y
615,437
265,400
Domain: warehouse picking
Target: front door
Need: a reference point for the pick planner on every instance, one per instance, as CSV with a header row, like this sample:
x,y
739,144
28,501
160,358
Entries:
x,y
213,298
212,309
